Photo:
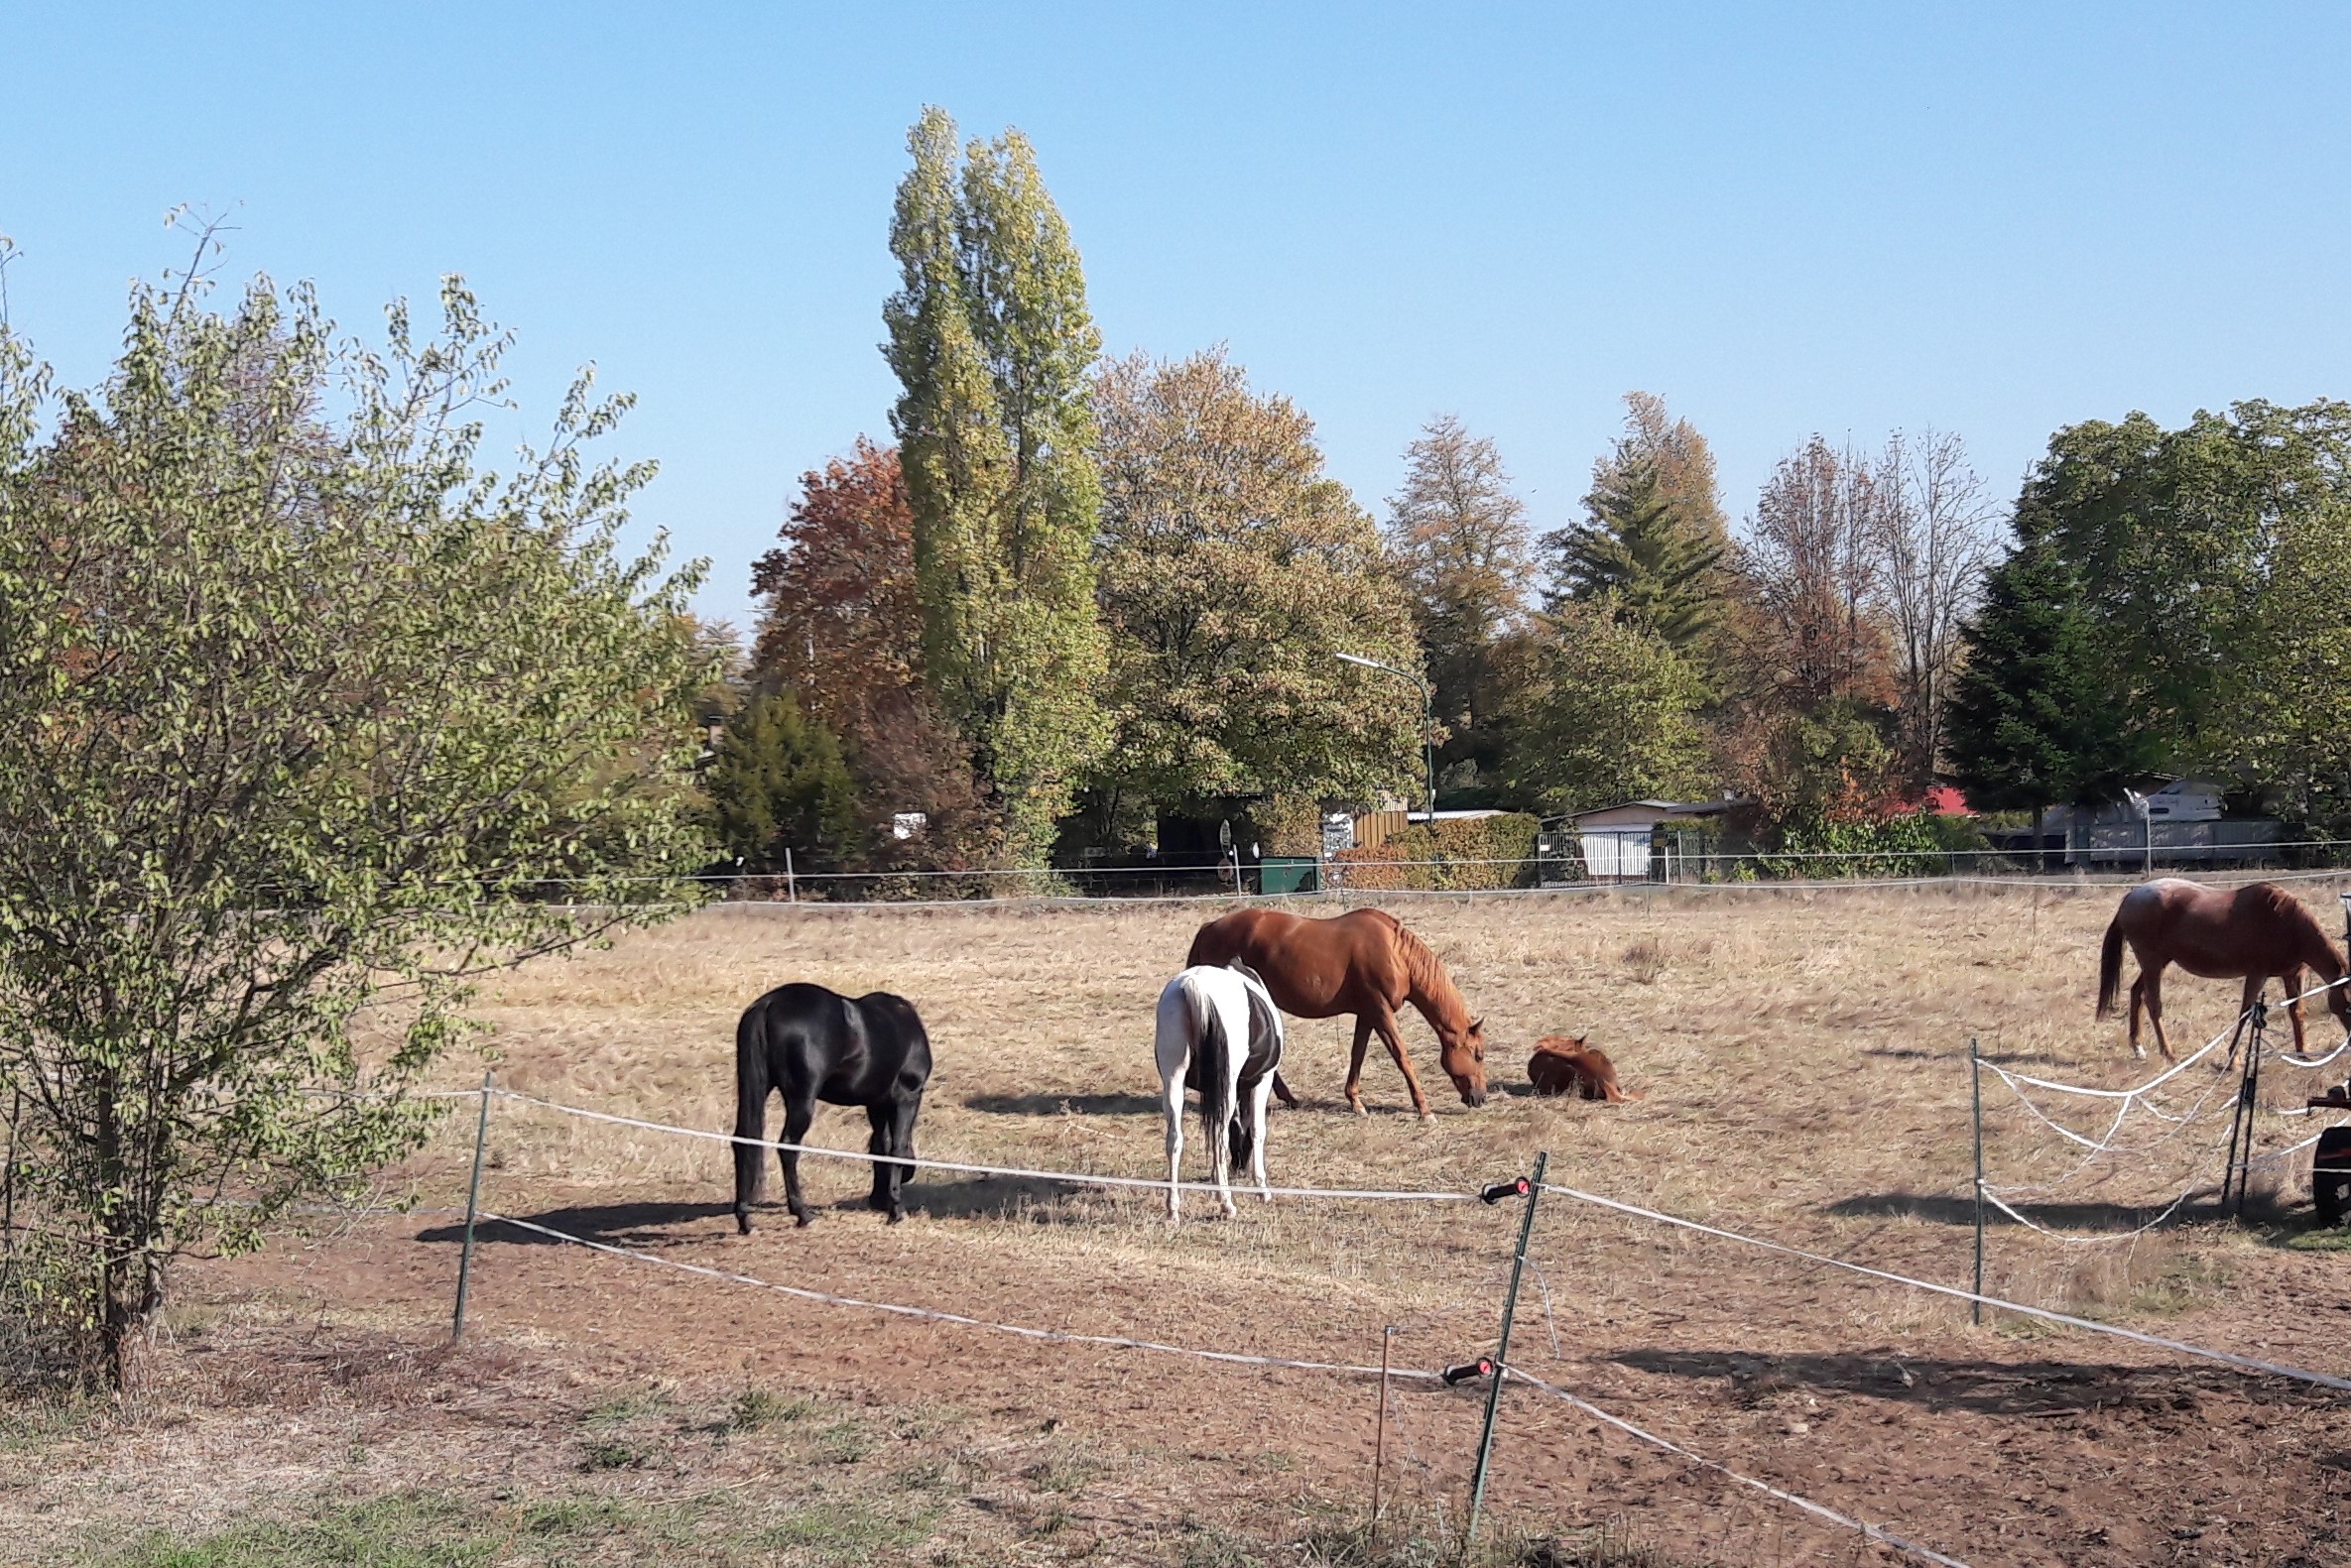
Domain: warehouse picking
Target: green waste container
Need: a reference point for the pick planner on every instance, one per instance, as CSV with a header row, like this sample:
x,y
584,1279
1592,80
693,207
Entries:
x,y
1288,874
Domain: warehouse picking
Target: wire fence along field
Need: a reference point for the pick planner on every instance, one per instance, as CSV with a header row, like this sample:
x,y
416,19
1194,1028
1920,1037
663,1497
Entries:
x,y
2105,1151
2013,1201
1469,876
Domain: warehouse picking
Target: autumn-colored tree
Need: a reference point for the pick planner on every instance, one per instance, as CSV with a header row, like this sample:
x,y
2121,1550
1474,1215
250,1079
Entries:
x,y
1233,573
1813,564
992,344
1458,532
842,625
1812,688
842,629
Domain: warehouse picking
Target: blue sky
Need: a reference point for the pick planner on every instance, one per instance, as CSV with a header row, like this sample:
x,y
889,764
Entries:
x,y
1782,219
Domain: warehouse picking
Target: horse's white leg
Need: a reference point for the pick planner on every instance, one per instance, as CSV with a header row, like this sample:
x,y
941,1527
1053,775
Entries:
x,y
1220,1139
1172,1046
2138,1000
1257,1147
1173,1092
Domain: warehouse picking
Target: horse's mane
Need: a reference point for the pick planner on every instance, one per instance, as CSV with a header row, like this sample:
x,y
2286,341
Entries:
x,y
2296,913
1422,965
2285,904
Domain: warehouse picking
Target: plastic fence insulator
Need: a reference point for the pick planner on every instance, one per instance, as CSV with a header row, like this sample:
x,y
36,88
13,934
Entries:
x,y
1468,1371
1495,1192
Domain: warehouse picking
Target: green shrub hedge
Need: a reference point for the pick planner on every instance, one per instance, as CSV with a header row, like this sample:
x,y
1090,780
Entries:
x,y
1463,855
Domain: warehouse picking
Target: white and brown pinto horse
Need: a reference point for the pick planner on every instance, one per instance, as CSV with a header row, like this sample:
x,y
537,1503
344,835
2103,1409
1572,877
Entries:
x,y
2222,933
1218,1032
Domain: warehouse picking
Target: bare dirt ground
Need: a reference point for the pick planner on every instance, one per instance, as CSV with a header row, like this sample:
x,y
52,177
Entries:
x,y
1805,1060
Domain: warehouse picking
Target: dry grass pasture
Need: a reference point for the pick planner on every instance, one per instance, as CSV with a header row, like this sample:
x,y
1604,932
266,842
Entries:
x,y
1804,1058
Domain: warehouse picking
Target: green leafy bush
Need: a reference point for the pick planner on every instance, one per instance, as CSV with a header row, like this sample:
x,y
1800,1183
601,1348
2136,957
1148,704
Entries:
x,y
1461,855
1916,845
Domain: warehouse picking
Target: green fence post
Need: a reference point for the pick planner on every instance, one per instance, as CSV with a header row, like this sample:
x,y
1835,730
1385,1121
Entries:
x,y
1510,1308
473,1203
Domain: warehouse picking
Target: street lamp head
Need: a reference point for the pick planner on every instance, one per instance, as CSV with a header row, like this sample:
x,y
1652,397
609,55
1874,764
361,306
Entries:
x,y
1358,658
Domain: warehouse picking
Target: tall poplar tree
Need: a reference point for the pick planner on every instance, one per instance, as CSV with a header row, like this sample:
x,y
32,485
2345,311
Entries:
x,y
992,342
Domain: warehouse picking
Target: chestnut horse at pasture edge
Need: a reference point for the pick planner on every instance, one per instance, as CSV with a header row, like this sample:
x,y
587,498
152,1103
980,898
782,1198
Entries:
x,y
1362,962
2221,934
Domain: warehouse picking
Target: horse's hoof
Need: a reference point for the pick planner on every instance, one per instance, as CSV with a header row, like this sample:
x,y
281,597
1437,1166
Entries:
x,y
742,1224
1359,1109
1428,1116
897,1215
804,1221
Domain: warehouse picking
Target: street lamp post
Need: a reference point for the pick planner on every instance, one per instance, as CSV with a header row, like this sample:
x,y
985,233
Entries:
x,y
1428,720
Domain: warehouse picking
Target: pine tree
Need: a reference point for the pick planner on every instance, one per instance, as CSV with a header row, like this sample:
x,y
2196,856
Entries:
x,y
992,341
1638,551
780,782
2033,721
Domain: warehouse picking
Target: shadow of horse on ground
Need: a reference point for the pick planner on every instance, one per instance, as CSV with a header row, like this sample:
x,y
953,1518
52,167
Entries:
x,y
637,1225
1950,1209
989,1197
1057,1104
1984,1387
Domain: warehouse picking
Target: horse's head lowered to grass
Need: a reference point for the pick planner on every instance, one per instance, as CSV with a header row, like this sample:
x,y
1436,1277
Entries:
x,y
1461,1051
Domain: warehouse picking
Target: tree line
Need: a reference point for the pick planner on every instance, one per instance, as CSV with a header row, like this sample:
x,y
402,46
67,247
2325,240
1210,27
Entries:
x,y
1074,593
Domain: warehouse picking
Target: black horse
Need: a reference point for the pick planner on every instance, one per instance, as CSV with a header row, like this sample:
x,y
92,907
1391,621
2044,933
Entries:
x,y
815,1044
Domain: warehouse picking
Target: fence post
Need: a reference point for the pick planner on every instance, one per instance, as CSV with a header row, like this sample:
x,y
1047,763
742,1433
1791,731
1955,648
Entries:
x,y
1380,1432
1510,1308
2240,1165
791,886
1975,1073
473,1203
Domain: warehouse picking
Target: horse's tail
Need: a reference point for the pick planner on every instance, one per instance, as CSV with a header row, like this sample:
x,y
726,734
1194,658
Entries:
x,y
1218,1067
752,1087
2110,966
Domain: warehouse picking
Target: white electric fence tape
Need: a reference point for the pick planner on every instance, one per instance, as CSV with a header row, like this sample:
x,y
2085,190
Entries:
x,y
2139,1097
925,1162
1229,1358
2180,1347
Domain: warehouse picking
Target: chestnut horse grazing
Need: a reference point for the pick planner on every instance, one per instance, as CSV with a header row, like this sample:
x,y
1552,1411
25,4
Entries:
x,y
1362,962
2222,933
